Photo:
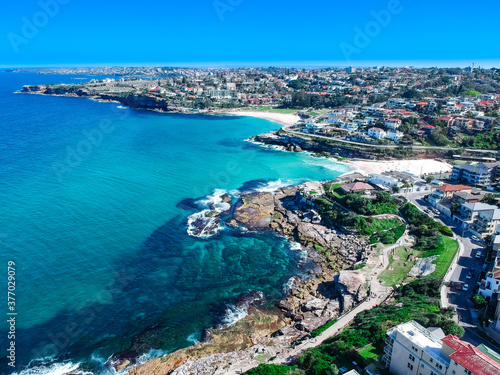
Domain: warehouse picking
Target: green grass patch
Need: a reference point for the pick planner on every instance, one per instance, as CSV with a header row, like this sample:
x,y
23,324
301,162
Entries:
x,y
323,328
446,250
369,352
397,271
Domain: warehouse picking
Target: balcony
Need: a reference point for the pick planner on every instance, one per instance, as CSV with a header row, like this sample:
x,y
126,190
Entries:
x,y
388,350
389,341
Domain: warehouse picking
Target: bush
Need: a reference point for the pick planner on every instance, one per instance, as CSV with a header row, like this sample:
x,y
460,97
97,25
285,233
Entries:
x,y
264,369
451,328
479,300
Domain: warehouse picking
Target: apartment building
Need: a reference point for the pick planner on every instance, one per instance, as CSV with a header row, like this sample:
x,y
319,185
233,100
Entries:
x,y
478,174
468,214
414,350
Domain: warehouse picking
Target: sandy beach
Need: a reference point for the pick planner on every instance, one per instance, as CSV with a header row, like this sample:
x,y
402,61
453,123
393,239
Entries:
x,y
413,166
287,119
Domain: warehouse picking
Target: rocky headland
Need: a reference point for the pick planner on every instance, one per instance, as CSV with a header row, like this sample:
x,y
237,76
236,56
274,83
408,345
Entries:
x,y
332,287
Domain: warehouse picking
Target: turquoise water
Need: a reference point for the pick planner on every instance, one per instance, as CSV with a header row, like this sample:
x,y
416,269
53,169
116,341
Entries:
x,y
95,202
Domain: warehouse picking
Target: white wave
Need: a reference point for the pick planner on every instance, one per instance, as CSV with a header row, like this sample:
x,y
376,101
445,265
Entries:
x,y
153,353
192,338
52,369
200,224
233,314
291,284
121,107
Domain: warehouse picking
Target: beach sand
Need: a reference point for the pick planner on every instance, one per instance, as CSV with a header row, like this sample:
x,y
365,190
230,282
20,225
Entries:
x,y
287,119
413,166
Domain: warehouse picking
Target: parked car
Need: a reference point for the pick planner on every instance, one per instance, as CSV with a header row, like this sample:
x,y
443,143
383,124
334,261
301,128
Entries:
x,y
475,238
478,254
465,287
427,210
437,212
470,275
458,286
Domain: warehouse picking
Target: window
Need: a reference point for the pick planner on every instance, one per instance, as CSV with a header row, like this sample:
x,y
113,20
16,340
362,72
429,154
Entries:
x,y
410,366
412,358
431,360
439,366
453,372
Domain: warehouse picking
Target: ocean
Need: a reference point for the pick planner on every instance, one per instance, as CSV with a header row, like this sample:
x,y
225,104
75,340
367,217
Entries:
x,y
96,201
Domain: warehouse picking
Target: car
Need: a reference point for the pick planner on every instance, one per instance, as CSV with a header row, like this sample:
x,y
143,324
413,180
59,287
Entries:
x,y
427,210
475,238
458,286
437,212
470,275
465,287
478,255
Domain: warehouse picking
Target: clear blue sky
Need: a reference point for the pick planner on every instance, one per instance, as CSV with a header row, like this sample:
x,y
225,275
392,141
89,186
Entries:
x,y
127,32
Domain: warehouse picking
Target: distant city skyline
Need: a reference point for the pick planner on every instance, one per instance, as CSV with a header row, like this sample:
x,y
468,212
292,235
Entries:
x,y
238,33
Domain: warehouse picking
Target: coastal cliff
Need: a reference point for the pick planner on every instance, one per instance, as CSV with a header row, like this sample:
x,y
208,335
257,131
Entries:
x,y
330,288
133,100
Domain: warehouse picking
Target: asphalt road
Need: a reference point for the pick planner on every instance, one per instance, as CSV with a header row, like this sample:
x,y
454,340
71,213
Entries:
x,y
458,298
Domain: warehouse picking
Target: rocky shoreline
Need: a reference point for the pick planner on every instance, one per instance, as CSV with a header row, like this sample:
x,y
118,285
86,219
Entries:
x,y
333,287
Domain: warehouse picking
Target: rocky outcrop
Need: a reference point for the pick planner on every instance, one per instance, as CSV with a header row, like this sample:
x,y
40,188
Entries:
x,y
254,329
352,287
255,210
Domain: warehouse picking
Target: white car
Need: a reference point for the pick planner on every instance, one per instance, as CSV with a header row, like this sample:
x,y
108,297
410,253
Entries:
x,y
465,287
475,238
478,255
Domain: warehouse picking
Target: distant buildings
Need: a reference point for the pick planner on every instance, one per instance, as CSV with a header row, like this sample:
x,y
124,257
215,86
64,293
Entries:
x,y
414,350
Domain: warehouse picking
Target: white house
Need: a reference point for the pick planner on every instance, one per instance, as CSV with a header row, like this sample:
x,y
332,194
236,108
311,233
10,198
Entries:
x,y
352,127
379,179
393,123
376,133
394,135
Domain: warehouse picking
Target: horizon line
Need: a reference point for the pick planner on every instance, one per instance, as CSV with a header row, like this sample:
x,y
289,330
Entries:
x,y
462,63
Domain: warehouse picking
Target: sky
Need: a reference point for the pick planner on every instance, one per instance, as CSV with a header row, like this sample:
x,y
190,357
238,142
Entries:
x,y
248,32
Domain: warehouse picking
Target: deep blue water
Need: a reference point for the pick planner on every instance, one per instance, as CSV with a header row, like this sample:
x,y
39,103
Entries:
x,y
94,207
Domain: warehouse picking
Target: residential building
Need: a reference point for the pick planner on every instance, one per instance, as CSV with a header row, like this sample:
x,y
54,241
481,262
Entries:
x,y
376,133
414,350
491,283
445,193
379,179
478,174
357,187
394,135
486,222
468,213
392,123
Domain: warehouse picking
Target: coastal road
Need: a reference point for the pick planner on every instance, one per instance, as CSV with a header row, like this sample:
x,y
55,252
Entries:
x,y
336,139
464,262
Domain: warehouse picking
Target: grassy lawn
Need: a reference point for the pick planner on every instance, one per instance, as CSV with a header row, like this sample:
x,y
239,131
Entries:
x,y
397,271
446,251
335,190
384,225
369,352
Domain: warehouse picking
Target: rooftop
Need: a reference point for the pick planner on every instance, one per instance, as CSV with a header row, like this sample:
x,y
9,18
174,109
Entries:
x,y
471,358
448,187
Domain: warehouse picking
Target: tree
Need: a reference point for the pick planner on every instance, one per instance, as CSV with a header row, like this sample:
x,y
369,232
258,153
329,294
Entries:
x,y
451,328
429,179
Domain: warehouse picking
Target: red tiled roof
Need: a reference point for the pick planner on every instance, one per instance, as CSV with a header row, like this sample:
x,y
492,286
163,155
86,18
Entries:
x,y
394,119
470,358
448,187
445,118
356,186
